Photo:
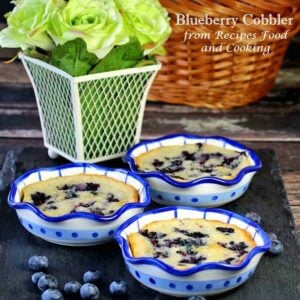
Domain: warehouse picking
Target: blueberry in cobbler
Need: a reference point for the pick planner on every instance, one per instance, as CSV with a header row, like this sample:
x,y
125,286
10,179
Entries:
x,y
225,230
39,198
157,163
38,263
111,198
238,247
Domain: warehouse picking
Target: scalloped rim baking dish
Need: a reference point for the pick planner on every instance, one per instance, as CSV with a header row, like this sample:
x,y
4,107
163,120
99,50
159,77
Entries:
x,y
201,192
203,279
79,227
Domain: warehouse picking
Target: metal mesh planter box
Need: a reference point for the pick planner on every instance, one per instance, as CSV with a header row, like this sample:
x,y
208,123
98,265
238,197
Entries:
x,y
89,118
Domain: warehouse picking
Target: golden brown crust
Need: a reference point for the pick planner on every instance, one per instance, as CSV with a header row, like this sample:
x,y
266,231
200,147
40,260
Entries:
x,y
139,245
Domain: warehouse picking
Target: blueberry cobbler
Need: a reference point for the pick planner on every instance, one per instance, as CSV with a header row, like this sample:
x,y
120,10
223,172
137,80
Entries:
x,y
184,243
97,194
188,162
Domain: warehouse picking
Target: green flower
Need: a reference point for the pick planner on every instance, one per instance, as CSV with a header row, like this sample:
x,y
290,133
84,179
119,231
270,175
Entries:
x,y
27,24
148,21
97,22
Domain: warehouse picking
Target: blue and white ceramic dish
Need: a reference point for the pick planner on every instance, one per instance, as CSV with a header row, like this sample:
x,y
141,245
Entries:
x,y
201,192
203,279
80,228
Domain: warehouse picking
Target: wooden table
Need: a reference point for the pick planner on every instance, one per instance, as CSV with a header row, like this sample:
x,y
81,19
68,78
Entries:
x,y
274,122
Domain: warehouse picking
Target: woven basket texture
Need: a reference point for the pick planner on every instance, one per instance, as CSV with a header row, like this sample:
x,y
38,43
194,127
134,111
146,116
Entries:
x,y
224,79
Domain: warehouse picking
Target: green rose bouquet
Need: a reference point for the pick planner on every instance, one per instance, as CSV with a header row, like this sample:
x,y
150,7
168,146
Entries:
x,y
96,117
82,37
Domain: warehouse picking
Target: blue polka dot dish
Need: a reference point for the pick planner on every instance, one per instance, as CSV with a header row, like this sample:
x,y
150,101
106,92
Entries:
x,y
76,228
205,278
205,191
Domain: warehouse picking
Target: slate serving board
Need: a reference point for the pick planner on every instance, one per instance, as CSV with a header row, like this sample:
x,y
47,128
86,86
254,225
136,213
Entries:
x,y
275,277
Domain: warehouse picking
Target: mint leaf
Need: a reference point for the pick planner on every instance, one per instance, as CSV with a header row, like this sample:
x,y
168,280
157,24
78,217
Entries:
x,y
73,58
121,57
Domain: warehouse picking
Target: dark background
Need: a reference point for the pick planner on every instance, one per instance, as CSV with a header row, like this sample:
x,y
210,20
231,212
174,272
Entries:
x,y
5,6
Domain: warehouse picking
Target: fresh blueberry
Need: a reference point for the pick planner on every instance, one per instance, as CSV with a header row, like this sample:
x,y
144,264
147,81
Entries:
x,y
89,291
118,288
276,248
196,298
38,263
36,276
272,236
52,294
72,287
47,282
253,216
92,276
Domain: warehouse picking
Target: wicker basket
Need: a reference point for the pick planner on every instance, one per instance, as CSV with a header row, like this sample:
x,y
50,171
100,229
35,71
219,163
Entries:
x,y
221,79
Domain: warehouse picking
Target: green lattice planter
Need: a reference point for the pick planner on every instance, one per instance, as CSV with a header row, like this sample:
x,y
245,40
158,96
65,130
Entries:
x,y
89,118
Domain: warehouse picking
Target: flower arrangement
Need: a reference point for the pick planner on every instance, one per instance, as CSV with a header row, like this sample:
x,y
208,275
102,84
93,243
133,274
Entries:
x,y
86,37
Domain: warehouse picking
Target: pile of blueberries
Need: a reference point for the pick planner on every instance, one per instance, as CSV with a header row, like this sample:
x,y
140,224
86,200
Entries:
x,y
48,284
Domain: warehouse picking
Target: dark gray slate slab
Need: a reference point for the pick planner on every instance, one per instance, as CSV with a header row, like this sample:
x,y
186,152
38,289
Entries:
x,y
275,277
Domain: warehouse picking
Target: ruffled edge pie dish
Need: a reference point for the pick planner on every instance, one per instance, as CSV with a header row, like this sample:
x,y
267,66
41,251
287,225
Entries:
x,y
205,191
202,279
77,228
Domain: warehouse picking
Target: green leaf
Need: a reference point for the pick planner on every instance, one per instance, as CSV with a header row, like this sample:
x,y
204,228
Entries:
x,y
121,57
73,58
35,54
148,61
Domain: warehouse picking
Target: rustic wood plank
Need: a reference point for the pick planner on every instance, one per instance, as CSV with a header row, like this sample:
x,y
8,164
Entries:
x,y
13,131
287,153
278,102
293,189
293,177
256,127
293,202
7,54
21,133
7,144
13,73
263,127
297,220
296,210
